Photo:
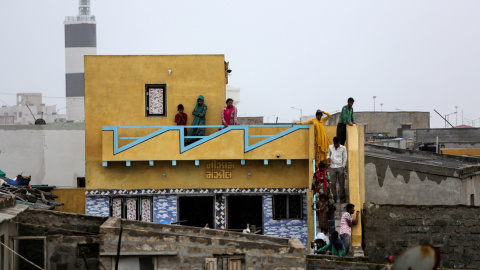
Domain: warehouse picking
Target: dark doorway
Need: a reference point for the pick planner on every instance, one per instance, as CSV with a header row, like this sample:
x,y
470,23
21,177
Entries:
x,y
197,211
243,210
33,250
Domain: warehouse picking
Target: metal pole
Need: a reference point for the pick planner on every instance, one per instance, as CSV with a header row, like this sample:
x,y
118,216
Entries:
x,y
117,259
456,123
444,119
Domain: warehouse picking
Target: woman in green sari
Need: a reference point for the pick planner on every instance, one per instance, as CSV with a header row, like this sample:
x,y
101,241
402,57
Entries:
x,y
199,120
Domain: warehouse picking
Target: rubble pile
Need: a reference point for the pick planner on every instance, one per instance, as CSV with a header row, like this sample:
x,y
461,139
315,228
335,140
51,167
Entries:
x,y
33,197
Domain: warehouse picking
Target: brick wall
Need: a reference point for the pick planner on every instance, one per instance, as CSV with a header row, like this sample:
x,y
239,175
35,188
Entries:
x,y
454,230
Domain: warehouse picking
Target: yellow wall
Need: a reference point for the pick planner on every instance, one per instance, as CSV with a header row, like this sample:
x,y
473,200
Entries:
x,y
230,145
460,151
356,176
115,94
186,175
72,198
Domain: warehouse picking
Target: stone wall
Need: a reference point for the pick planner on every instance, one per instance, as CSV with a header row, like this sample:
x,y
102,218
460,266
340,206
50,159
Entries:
x,y
71,239
7,200
454,230
184,247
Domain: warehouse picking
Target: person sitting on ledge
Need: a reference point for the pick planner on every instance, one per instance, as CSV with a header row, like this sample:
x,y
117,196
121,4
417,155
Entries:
x,y
335,246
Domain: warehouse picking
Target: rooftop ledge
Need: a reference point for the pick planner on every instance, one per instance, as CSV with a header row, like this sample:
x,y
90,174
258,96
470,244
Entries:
x,y
151,143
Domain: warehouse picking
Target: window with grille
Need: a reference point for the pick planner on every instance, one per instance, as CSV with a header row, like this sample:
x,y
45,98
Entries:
x,y
132,208
287,207
156,100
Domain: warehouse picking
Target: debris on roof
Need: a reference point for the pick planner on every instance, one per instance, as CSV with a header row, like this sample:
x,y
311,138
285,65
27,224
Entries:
x,y
25,194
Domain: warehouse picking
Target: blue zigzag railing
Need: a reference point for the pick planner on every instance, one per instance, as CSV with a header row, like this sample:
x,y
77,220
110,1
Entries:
x,y
202,139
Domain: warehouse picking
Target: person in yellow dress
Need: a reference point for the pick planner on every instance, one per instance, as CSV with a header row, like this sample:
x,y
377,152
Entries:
x,y
321,139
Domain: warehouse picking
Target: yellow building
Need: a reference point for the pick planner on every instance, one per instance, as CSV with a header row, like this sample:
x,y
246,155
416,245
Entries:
x,y
138,165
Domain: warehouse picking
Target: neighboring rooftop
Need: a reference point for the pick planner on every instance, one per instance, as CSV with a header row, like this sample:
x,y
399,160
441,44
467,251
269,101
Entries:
x,y
440,164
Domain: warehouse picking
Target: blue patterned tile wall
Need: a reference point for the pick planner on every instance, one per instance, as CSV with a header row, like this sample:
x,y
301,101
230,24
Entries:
x,y
285,228
165,208
98,206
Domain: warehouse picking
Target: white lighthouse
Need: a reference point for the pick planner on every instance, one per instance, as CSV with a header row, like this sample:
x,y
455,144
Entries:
x,y
80,40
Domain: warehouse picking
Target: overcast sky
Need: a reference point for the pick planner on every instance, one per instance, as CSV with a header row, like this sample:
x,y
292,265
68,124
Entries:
x,y
412,55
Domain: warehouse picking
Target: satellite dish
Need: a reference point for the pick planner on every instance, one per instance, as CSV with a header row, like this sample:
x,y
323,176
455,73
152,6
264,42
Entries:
x,y
40,121
422,257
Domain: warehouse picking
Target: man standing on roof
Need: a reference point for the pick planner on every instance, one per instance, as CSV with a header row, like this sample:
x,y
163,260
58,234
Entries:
x,y
346,118
337,156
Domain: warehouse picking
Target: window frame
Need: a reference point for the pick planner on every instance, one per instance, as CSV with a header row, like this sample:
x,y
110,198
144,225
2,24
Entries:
x,y
287,207
147,98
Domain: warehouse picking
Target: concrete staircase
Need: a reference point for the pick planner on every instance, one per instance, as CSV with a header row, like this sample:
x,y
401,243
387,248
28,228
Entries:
x,y
335,220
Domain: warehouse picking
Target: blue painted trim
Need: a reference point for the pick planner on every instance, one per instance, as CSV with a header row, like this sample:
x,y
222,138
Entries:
x,y
265,162
150,163
184,148
105,163
197,162
289,162
313,164
274,137
129,164
129,138
174,163
242,161
314,216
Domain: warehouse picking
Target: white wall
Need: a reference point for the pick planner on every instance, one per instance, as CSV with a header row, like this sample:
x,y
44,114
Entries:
x,y
52,155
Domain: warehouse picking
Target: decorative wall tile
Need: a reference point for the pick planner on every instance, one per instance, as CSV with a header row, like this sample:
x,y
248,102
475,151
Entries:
x,y
146,209
220,212
193,191
132,208
97,206
165,208
284,228
117,207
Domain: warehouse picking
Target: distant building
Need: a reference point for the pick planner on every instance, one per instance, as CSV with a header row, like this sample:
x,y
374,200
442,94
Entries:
x,y
29,108
80,40
386,123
